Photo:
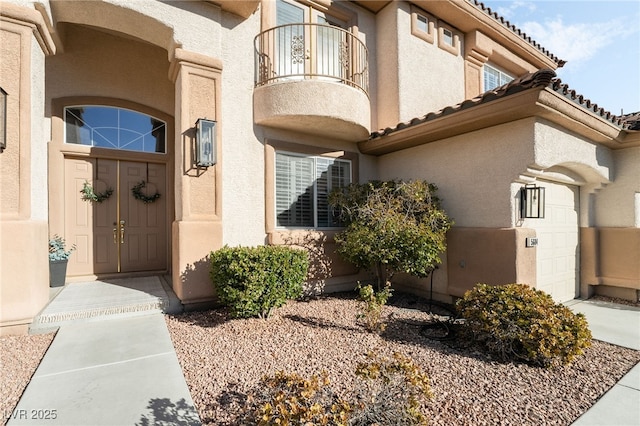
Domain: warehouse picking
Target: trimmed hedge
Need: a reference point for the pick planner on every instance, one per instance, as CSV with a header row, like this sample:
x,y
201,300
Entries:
x,y
252,281
516,321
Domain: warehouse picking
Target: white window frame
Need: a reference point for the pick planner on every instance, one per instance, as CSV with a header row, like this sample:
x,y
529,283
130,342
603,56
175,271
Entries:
x,y
503,76
115,145
314,186
447,36
418,15
453,46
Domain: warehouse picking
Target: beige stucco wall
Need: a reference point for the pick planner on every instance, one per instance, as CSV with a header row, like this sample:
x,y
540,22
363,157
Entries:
x,y
242,150
314,106
192,26
609,262
473,172
95,63
490,256
555,146
566,157
618,204
367,33
386,65
479,176
414,77
430,77
24,284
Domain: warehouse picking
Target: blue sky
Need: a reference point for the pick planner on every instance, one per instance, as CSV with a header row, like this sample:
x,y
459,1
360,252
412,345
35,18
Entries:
x,y
599,39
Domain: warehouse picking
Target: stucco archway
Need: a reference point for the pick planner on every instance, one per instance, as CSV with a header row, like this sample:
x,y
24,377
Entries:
x,y
115,18
105,68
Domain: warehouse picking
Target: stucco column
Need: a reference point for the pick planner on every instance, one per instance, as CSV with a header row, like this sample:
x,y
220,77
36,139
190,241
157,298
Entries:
x,y
197,229
24,265
473,63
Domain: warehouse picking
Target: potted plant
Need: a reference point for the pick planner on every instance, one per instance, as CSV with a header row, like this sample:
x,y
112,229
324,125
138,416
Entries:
x,y
58,259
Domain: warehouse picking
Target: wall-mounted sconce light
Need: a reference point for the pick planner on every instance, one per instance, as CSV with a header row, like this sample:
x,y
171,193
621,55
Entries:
x,y
205,142
3,119
532,202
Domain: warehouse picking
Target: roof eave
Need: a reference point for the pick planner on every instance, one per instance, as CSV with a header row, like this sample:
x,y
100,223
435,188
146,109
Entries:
x,y
467,17
566,113
535,102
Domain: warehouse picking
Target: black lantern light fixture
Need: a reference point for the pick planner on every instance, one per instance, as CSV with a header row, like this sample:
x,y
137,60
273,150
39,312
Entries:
x,y
532,202
3,119
205,142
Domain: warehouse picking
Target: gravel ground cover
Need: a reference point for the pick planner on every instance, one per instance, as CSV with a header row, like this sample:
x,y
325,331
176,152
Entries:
x,y
616,300
223,359
19,359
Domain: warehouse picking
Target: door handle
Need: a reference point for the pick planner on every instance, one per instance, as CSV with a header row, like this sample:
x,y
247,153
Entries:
x,y
122,232
115,235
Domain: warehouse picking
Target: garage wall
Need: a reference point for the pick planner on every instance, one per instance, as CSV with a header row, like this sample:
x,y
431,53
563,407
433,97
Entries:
x,y
473,172
623,193
556,146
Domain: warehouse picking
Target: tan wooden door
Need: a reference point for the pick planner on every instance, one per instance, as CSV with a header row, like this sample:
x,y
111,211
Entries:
x,y
120,234
143,226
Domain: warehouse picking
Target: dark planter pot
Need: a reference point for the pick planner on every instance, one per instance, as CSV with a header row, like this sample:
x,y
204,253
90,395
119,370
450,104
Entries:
x,y
57,272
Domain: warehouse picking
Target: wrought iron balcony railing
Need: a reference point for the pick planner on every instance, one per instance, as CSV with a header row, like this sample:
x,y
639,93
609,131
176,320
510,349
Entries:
x,y
311,51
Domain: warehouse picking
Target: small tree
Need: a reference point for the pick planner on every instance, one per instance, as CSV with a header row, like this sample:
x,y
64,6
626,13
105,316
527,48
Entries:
x,y
392,226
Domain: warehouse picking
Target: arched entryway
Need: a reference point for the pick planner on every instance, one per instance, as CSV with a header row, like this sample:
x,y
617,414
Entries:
x,y
116,194
113,58
111,104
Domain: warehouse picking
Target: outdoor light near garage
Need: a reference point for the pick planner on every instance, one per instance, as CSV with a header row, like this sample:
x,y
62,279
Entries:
x,y
205,142
532,202
3,119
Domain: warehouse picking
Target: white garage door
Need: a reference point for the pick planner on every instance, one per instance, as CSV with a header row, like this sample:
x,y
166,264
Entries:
x,y
557,253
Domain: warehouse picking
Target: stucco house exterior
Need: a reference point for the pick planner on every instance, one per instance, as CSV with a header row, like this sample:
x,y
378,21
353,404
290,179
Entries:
x,y
306,96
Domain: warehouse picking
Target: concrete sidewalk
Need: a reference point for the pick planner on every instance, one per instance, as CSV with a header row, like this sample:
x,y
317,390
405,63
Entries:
x,y
121,371
619,325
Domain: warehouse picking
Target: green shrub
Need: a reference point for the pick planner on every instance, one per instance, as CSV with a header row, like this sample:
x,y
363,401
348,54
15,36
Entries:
x,y
252,281
517,321
371,306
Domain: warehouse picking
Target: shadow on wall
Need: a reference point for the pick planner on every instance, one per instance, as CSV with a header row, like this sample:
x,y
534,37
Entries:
x,y
164,412
320,263
195,274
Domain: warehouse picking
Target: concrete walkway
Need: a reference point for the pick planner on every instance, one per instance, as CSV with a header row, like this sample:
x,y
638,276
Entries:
x,y
619,325
117,367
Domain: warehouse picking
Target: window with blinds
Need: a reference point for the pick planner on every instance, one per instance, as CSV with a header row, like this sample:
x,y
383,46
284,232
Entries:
x,y
493,78
303,185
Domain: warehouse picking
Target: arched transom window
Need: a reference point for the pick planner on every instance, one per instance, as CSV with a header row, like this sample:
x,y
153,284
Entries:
x,y
114,128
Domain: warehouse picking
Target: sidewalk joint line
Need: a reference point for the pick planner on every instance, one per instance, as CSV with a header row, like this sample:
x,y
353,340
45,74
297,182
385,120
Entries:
x,y
102,365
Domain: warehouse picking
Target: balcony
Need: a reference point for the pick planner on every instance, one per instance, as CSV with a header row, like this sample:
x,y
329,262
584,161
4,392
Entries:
x,y
312,78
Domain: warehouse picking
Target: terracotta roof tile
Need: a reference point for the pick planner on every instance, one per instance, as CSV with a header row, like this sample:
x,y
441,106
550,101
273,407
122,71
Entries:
x,y
517,31
542,78
626,122
631,121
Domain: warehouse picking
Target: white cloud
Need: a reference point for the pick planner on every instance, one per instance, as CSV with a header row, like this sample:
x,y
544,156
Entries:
x,y
512,8
576,43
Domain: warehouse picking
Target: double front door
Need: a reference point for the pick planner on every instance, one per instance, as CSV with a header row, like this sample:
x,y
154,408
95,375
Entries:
x,y
127,232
